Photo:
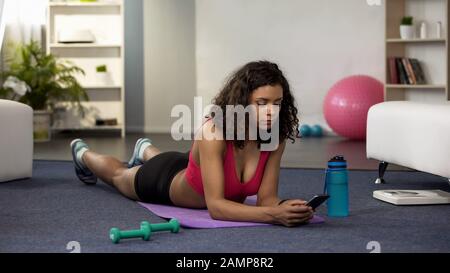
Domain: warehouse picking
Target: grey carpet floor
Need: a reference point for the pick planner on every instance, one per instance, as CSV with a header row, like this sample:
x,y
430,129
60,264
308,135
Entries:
x,y
45,213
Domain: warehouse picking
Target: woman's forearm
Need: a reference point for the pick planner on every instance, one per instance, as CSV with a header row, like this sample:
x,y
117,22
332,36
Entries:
x,y
269,202
227,210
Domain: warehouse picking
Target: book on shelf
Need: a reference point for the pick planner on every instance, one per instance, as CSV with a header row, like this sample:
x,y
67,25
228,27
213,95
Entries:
x,y
417,68
393,71
409,71
405,71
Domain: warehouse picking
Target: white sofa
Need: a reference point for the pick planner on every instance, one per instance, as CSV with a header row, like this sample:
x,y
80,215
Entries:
x,y
16,141
410,134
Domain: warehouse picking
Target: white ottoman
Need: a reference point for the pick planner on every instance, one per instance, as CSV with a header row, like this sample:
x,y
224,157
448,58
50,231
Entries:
x,y
16,141
410,134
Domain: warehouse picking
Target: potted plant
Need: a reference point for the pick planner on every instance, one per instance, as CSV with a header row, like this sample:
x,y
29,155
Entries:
x,y
41,80
407,28
103,75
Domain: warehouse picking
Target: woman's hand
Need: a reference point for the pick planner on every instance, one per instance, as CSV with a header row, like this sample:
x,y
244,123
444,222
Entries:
x,y
292,213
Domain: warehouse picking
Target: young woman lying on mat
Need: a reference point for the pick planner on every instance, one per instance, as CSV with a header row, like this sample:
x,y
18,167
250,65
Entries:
x,y
216,174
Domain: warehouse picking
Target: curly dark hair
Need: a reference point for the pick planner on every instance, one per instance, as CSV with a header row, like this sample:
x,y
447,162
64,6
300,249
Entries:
x,y
239,88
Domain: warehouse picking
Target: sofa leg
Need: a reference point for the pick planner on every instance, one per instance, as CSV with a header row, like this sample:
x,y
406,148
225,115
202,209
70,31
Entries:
x,y
381,170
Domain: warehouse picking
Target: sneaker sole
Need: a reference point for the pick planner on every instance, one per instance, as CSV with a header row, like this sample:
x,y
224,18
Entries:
x,y
132,162
77,167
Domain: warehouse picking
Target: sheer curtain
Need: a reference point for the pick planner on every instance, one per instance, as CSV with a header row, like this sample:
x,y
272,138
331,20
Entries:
x,y
2,23
24,20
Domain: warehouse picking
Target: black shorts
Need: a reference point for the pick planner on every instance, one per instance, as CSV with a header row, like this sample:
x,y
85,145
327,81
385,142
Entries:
x,y
153,179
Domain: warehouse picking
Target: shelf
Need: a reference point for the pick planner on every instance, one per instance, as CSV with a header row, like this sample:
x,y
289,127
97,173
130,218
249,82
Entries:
x,y
432,52
84,4
84,45
415,86
105,19
430,40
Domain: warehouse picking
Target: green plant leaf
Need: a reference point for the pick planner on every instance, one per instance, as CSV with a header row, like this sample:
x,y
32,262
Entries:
x,y
50,79
102,69
407,21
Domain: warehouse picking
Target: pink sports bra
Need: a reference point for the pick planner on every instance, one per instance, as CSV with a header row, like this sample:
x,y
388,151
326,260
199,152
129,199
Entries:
x,y
234,188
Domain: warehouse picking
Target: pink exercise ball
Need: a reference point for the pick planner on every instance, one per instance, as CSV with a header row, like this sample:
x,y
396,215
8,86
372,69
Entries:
x,y
348,102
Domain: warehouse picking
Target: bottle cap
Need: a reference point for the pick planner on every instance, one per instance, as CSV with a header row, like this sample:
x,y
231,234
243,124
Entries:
x,y
337,162
338,158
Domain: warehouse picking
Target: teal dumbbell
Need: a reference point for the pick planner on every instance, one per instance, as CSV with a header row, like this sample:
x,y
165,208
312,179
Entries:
x,y
145,232
305,131
310,131
316,131
172,226
116,234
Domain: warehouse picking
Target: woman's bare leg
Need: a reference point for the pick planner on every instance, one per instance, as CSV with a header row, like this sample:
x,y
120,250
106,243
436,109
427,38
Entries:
x,y
150,152
113,172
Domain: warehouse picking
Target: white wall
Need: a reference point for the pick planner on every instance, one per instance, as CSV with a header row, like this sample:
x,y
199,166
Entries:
x,y
316,43
169,49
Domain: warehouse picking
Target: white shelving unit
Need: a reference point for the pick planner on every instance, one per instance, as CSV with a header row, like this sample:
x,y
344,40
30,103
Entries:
x,y
432,52
105,19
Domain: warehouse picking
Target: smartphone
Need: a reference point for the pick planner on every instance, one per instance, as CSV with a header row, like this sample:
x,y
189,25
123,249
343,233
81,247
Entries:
x,y
317,200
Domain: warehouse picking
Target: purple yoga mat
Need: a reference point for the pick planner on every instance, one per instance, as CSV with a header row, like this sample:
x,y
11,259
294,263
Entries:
x,y
195,218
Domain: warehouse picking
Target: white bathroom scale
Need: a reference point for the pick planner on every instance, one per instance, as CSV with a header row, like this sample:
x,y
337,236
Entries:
x,y
413,197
